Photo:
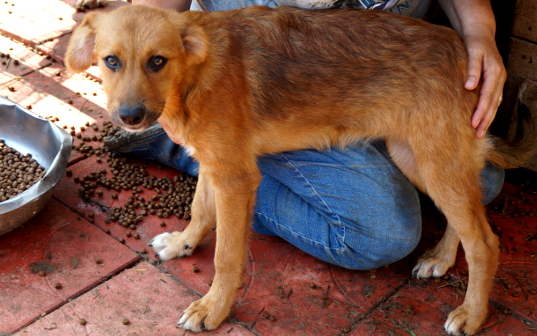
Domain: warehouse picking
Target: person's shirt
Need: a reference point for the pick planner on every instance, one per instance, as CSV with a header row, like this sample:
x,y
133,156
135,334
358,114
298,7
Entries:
x,y
414,8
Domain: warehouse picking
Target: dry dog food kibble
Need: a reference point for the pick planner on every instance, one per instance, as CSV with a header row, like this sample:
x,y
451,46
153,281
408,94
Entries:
x,y
17,172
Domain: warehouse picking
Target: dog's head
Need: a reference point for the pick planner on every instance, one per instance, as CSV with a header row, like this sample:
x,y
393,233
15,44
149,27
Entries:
x,y
144,54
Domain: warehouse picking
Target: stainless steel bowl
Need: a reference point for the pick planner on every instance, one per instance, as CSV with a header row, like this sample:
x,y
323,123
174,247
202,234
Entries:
x,y
49,145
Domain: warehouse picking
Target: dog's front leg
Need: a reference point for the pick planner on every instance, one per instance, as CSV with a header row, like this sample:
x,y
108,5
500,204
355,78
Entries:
x,y
181,244
235,194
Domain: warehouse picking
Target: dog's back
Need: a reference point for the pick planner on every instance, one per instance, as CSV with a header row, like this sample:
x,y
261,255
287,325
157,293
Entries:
x,y
342,69
345,69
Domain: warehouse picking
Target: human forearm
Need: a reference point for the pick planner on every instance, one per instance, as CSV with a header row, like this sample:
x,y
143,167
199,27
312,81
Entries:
x,y
178,5
470,16
475,23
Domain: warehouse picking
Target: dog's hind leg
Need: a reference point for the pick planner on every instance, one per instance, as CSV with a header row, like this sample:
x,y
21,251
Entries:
x,y
181,244
435,262
450,176
468,221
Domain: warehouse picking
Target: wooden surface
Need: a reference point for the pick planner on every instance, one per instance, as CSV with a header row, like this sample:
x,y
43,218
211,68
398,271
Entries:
x,y
525,22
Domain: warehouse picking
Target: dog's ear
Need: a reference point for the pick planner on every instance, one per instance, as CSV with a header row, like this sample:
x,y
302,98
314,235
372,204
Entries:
x,y
79,55
196,44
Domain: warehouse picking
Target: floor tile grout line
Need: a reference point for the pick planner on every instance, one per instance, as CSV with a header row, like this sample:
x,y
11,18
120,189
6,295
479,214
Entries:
x,y
30,71
18,78
235,321
514,313
36,45
494,303
405,283
16,37
106,278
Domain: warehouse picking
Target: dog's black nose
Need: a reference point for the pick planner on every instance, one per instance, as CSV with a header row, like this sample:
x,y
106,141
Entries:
x,y
132,115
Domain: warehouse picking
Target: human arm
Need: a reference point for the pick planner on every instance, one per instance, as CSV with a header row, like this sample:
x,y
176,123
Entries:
x,y
178,5
475,23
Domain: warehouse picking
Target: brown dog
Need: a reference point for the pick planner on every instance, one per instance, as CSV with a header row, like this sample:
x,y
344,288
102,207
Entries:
x,y
231,86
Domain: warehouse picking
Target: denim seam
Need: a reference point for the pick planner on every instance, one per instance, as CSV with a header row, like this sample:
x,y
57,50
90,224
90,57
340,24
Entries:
x,y
312,188
283,227
337,218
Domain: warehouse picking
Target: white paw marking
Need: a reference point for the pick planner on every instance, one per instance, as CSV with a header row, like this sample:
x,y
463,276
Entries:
x,y
160,242
171,245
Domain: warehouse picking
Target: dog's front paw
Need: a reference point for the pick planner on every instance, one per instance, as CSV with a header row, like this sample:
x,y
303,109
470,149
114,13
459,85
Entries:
x,y
465,320
172,245
430,265
204,314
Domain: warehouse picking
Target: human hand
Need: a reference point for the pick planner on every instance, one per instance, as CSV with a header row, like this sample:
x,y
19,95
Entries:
x,y
484,62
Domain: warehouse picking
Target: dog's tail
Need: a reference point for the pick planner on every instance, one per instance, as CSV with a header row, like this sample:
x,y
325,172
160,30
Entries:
x,y
514,153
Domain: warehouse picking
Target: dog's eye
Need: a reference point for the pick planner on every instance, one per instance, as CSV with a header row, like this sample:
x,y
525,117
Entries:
x,y
112,62
156,63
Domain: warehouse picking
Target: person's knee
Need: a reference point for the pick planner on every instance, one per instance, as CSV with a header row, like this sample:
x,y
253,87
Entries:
x,y
382,250
394,251
492,179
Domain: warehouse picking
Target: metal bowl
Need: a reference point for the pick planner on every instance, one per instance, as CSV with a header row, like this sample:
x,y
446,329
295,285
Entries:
x,y
49,145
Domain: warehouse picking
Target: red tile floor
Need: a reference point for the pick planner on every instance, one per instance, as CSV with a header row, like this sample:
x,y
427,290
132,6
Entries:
x,y
304,295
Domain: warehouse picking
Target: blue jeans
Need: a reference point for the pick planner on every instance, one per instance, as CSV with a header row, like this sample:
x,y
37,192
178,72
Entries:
x,y
351,207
